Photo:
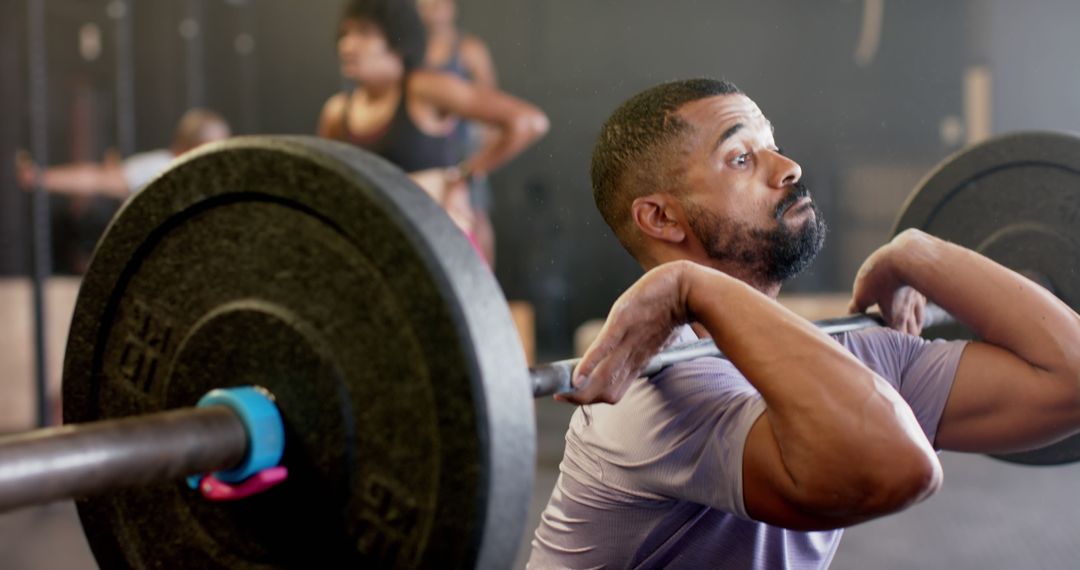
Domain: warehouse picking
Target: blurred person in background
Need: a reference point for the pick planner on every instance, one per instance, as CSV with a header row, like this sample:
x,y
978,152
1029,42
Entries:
x,y
408,114
118,178
451,50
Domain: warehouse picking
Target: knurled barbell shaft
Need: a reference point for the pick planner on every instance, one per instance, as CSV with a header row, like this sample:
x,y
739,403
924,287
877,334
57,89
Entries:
x,y
82,460
555,377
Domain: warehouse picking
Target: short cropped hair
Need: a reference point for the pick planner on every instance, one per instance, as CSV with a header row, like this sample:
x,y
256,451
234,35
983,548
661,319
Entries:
x,y
636,151
399,22
194,129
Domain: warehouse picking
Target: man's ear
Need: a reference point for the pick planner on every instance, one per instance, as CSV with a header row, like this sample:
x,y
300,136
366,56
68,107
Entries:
x,y
659,216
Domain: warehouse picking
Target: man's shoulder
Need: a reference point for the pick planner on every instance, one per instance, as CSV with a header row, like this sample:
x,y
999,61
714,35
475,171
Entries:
x,y
686,388
702,385
895,355
704,371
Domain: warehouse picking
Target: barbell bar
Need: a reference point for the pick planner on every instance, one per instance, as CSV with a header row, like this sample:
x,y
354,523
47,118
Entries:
x,y
555,377
86,459
234,433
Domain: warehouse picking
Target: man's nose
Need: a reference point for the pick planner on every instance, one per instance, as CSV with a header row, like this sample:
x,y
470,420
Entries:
x,y
785,171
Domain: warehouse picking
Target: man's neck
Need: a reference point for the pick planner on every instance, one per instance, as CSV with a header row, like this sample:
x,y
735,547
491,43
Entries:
x,y
770,289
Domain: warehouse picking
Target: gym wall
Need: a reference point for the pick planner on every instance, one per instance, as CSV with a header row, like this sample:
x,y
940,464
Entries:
x,y
866,119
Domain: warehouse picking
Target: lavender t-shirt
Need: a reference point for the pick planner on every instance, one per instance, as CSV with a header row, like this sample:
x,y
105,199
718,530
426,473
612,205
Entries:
x,y
655,481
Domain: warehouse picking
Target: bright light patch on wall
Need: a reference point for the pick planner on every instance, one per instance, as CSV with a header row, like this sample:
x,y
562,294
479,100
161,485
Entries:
x,y
189,28
244,44
116,9
977,103
89,41
951,130
873,17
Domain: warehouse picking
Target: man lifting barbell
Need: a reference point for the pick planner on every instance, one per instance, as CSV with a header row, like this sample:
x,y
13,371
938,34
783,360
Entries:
x,y
758,462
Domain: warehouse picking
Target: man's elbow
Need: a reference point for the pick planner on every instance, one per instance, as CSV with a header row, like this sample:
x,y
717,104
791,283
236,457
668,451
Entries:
x,y
873,489
1071,373
891,488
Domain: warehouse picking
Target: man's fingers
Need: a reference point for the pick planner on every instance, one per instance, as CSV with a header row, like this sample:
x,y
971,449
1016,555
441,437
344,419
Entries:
x,y
588,387
861,300
620,389
606,343
908,310
855,307
920,314
639,323
607,379
911,326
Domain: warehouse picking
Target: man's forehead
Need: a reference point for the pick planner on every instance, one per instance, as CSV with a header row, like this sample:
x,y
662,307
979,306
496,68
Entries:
x,y
721,112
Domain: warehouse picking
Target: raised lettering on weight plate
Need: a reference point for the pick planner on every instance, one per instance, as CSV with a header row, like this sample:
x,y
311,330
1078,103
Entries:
x,y
147,346
391,516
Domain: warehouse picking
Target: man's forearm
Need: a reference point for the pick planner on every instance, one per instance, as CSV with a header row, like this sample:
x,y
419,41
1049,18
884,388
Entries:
x,y
1001,306
85,178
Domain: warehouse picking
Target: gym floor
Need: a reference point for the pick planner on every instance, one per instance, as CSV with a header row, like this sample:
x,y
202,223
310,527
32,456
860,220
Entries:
x,y
989,515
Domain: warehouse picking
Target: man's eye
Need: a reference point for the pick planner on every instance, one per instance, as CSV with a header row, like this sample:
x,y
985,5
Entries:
x,y
742,159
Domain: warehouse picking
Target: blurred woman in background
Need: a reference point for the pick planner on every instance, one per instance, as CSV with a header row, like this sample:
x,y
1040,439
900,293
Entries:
x,y
408,114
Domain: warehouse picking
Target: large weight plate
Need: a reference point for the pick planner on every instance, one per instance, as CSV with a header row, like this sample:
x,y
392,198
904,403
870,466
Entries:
x,y
1015,199
320,272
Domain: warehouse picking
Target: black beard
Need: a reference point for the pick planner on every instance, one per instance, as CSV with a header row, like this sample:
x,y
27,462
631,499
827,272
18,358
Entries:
x,y
769,255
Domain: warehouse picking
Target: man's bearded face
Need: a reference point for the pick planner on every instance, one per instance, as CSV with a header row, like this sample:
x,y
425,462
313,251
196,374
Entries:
x,y
772,254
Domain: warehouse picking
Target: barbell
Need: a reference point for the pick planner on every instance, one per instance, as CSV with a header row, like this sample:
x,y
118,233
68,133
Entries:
x,y
385,349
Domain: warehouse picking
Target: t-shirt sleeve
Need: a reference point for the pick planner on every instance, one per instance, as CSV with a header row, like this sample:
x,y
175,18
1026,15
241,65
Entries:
x,y
921,370
140,169
693,449
681,434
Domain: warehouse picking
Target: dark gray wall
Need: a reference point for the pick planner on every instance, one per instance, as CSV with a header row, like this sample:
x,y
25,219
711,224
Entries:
x,y
12,88
864,134
578,60
1033,50
80,117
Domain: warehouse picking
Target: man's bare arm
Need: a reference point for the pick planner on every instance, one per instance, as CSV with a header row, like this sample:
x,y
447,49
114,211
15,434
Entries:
x,y
80,178
1019,387
836,445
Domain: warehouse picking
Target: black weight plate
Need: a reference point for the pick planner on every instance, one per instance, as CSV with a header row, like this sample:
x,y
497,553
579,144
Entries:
x,y
1015,199
320,272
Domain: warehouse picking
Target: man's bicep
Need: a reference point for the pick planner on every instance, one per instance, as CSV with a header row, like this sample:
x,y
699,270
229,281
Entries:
x,y
768,490
1001,403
